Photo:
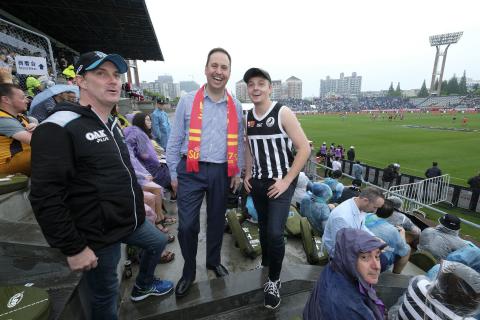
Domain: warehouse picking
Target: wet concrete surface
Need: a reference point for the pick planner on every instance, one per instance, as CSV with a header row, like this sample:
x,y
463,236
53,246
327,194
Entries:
x,y
26,257
239,295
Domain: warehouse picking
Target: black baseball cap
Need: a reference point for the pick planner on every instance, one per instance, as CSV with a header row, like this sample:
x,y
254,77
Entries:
x,y
256,72
450,221
92,60
162,100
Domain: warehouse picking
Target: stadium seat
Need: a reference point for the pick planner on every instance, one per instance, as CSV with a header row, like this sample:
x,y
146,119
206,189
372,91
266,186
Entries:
x,y
312,244
292,227
423,259
246,235
19,302
12,183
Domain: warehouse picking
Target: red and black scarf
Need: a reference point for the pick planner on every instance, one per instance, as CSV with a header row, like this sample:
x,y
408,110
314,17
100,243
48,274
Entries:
x,y
195,134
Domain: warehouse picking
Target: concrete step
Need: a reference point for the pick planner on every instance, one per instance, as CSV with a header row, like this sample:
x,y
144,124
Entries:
x,y
240,296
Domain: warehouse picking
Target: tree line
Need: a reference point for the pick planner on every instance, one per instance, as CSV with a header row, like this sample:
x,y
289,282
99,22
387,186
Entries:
x,y
450,87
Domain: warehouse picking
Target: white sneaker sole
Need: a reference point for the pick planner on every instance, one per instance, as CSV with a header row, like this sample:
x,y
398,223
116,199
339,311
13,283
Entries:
x,y
139,298
274,307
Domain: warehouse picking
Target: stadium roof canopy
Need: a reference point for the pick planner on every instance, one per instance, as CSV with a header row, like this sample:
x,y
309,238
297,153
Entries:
x,y
111,26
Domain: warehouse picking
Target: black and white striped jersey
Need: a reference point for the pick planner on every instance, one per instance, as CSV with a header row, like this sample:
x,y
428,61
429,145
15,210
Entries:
x,y
269,144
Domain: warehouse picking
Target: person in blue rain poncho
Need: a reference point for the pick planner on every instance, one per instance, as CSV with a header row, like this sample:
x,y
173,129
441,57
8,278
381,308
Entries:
x,y
160,123
315,207
345,287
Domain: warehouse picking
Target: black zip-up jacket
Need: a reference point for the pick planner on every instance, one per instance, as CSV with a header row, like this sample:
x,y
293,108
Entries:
x,y
84,190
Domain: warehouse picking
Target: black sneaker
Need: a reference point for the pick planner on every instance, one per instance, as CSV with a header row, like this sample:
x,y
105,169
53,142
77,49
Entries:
x,y
272,294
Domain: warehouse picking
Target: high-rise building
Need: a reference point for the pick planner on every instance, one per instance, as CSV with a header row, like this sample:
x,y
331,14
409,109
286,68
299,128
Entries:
x,y
173,90
165,79
164,86
345,86
188,86
241,91
276,90
294,87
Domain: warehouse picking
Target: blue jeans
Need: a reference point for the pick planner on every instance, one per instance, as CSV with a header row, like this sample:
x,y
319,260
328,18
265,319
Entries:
x,y
272,216
103,281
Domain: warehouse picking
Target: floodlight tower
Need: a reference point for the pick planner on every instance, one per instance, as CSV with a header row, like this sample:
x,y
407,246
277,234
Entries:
x,y
438,41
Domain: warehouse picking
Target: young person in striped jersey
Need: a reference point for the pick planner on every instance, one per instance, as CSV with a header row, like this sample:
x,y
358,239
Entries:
x,y
271,171
453,295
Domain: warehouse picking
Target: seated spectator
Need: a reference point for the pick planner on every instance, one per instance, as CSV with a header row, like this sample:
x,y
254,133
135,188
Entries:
x,y
350,191
42,109
252,212
345,287
300,190
123,120
6,75
442,239
398,218
336,186
469,256
137,136
34,85
398,251
358,171
315,207
3,61
454,294
351,214
69,74
15,131
153,195
336,164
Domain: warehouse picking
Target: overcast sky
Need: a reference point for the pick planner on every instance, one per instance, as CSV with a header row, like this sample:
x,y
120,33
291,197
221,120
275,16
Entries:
x,y
383,41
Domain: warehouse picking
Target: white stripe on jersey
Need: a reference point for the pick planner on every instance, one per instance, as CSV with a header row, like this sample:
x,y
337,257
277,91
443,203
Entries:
x,y
270,136
257,159
277,159
267,158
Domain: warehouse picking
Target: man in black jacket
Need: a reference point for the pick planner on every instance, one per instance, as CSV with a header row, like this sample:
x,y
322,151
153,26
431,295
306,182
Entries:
x,y
433,171
84,192
474,183
351,154
390,175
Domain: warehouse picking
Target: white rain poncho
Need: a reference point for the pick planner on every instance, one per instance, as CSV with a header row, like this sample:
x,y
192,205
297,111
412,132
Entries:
x,y
440,241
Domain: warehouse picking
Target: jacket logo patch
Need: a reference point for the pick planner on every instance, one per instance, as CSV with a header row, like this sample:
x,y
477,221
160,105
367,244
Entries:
x,y
99,136
270,122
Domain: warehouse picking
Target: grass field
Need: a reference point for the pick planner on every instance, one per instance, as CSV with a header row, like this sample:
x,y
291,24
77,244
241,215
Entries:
x,y
380,142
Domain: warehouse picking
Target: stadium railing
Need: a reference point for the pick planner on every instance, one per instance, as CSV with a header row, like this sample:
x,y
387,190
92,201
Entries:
x,y
456,195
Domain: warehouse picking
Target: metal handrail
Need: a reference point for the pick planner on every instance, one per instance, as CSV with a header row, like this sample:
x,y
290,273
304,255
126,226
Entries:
x,y
472,224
